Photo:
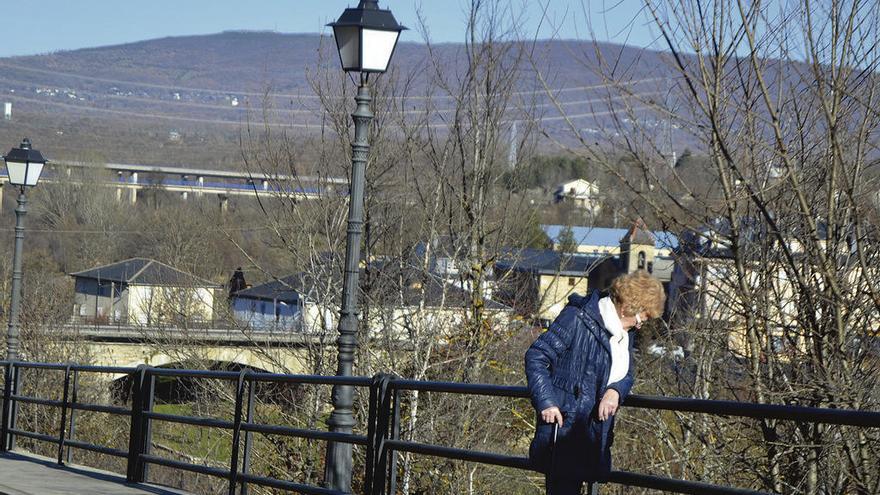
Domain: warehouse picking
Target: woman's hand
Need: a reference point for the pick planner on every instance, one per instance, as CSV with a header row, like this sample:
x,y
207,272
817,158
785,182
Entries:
x,y
552,415
608,404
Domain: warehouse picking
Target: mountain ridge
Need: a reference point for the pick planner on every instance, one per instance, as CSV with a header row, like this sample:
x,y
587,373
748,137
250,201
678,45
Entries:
x,y
205,85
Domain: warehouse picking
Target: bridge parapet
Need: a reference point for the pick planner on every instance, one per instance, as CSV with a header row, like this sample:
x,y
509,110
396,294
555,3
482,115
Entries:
x,y
130,346
197,334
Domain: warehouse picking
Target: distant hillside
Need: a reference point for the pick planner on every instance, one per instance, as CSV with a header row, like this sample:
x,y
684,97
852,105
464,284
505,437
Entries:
x,y
153,101
225,62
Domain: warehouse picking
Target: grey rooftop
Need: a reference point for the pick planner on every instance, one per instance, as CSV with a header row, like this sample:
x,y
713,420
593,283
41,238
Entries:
x,y
143,271
549,262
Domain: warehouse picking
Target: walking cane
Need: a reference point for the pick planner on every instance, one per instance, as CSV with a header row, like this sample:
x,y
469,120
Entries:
x,y
549,476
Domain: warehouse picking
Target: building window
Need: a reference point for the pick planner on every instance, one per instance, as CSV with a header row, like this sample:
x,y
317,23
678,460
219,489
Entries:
x,y
642,260
777,343
572,281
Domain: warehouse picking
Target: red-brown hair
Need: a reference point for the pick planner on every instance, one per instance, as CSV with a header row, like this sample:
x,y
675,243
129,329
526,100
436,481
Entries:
x,y
638,292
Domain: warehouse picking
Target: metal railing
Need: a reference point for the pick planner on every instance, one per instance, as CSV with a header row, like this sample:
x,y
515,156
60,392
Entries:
x,y
142,416
388,441
383,441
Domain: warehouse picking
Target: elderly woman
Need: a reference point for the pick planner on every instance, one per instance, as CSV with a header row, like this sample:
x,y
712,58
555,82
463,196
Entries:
x,y
579,372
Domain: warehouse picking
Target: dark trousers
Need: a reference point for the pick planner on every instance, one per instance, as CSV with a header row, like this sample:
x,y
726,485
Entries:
x,y
557,485
562,486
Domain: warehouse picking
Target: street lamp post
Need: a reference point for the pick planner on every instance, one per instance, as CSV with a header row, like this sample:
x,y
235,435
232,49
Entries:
x,y
365,37
23,167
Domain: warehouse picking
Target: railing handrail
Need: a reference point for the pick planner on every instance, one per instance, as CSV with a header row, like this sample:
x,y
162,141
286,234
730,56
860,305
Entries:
x,y
790,412
382,441
356,381
715,407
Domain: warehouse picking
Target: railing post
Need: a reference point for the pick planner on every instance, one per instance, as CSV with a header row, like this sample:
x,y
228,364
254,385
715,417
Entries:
x,y
65,402
395,435
149,397
236,429
139,436
592,488
134,434
377,477
248,437
71,429
13,406
7,408
372,438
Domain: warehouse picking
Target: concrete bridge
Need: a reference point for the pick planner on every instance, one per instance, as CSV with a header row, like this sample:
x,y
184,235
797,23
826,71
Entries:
x,y
130,179
131,346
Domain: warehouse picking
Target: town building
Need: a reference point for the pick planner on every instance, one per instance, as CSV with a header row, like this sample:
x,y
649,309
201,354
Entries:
x,y
398,298
704,290
444,259
581,194
274,305
539,282
142,291
604,240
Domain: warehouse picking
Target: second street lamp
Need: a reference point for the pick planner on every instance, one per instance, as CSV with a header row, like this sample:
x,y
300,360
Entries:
x,y
366,37
23,167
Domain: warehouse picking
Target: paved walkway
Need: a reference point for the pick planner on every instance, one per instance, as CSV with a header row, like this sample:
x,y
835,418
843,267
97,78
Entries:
x,y
26,474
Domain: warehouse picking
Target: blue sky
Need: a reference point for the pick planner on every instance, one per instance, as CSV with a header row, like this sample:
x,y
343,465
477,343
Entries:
x,y
68,25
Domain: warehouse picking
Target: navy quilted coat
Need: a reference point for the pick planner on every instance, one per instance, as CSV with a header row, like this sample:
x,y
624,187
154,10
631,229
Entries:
x,y
568,367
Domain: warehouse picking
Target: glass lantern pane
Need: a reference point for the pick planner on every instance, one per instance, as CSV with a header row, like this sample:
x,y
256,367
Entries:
x,y
378,48
16,171
33,174
349,44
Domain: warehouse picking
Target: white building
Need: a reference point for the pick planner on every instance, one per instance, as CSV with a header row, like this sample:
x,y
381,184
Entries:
x,y
143,292
580,193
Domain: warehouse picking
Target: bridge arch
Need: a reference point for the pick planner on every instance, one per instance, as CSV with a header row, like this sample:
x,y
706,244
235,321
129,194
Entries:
x,y
182,389
133,354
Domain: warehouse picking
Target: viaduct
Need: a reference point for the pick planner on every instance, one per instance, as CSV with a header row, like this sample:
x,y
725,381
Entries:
x,y
129,179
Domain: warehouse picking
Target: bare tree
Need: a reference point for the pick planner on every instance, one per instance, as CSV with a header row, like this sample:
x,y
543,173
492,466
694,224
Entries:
x,y
776,286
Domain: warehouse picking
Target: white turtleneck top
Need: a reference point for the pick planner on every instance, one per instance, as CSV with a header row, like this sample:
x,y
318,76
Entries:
x,y
619,340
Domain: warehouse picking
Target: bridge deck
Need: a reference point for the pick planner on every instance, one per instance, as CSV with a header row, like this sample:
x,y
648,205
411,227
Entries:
x,y
26,474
